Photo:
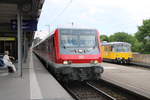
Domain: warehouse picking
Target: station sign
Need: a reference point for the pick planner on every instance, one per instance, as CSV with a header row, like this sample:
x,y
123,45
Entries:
x,y
27,25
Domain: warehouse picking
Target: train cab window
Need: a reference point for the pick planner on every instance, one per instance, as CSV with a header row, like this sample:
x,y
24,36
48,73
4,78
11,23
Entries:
x,y
78,38
87,41
122,48
69,40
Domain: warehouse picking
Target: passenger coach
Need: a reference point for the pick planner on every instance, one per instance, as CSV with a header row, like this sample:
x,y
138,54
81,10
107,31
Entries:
x,y
73,54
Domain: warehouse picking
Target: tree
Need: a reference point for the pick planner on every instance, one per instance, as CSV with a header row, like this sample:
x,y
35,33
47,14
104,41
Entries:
x,y
137,46
143,35
104,38
122,37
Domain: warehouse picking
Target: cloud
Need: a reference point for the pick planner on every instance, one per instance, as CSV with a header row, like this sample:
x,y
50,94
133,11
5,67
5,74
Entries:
x,y
109,16
54,1
138,9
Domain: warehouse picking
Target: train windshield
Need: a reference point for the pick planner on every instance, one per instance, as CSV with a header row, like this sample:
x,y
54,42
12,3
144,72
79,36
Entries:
x,y
78,39
122,48
87,41
69,40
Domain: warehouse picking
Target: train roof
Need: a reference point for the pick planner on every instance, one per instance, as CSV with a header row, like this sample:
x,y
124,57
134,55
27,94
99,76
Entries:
x,y
116,43
75,28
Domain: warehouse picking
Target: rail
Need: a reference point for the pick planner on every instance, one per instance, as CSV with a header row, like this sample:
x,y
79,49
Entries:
x,y
86,91
116,91
102,92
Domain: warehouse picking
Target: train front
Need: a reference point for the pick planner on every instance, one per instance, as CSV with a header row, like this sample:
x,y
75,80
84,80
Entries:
x,y
123,52
78,54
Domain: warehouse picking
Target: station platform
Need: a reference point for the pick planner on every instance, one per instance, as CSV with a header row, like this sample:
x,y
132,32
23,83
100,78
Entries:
x,y
132,78
35,84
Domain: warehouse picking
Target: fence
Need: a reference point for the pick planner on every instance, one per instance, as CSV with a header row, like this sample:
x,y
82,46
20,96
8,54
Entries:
x,y
141,58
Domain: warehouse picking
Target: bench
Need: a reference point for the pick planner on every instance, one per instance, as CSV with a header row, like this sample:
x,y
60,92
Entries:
x,y
2,64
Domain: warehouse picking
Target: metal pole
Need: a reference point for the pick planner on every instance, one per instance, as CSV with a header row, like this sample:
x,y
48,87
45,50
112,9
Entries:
x,y
24,38
19,43
21,33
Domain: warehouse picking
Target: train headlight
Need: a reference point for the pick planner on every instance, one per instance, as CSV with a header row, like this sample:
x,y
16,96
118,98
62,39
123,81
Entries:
x,y
65,62
95,62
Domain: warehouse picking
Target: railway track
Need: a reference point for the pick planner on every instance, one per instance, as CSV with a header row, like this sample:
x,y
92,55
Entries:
x,y
86,91
100,90
116,91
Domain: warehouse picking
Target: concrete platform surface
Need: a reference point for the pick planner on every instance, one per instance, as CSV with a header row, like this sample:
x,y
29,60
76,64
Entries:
x,y
130,77
36,84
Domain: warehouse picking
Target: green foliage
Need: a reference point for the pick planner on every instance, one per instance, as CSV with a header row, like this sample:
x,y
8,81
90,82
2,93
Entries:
x,y
104,38
122,37
137,46
143,35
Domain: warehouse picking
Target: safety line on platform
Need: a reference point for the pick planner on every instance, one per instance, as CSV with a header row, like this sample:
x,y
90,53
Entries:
x,y
35,92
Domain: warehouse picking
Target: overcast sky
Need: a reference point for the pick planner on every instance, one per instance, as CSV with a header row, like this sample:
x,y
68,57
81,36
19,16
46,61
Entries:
x,y
108,16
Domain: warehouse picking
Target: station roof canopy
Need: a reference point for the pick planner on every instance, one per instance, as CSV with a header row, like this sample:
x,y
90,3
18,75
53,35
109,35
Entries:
x,y
30,10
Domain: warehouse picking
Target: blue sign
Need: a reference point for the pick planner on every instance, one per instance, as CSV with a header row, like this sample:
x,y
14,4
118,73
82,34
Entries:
x,y
27,25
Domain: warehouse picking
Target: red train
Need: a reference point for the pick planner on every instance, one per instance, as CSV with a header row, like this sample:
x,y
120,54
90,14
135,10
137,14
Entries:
x,y
72,54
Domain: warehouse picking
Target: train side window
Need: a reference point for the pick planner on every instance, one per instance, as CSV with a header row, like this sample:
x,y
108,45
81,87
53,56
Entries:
x,y
105,48
108,48
53,41
49,47
111,48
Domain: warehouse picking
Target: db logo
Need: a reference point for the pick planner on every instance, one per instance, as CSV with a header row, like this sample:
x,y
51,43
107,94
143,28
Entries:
x,y
81,57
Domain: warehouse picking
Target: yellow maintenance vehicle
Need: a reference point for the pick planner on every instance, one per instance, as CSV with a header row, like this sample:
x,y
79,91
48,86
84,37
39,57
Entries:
x,y
118,52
